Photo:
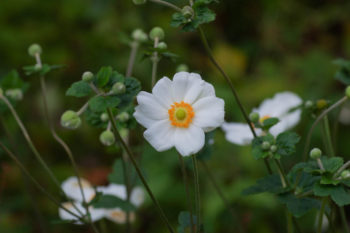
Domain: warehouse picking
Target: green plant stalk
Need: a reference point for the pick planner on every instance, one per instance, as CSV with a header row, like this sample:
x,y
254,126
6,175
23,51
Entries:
x,y
319,118
320,216
289,222
187,189
132,58
343,219
36,183
167,4
328,136
336,128
284,180
221,195
197,192
155,61
138,170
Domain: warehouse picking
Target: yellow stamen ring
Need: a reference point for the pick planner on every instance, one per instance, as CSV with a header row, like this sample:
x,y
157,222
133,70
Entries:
x,y
181,114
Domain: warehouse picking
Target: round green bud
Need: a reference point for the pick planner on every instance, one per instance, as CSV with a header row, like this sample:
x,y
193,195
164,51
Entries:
x,y
345,174
15,94
187,12
265,145
34,49
123,117
315,153
107,138
309,104
157,32
104,117
273,148
87,76
118,88
162,45
254,117
70,120
347,92
139,35
321,104
182,67
139,2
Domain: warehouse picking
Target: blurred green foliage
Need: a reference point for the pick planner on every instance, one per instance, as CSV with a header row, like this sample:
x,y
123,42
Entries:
x,y
266,46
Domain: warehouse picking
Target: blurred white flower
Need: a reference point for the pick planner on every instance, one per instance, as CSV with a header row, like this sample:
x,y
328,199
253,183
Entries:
x,y
281,106
179,112
96,214
344,116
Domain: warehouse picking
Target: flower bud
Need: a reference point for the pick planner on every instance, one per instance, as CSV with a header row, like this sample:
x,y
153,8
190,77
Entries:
x,y
345,174
139,35
123,117
347,92
70,120
315,153
187,12
104,117
265,145
254,117
118,88
273,148
182,67
34,49
321,104
107,138
87,76
309,104
157,32
15,94
162,45
139,2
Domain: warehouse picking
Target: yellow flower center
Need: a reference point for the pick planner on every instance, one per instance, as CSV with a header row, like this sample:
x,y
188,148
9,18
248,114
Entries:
x,y
181,114
262,119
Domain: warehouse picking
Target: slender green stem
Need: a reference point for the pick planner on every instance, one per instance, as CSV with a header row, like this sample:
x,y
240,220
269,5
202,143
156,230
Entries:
x,y
284,180
319,118
155,61
343,219
336,128
289,222
167,4
187,189
138,170
197,192
36,183
320,216
128,191
328,136
134,48
221,195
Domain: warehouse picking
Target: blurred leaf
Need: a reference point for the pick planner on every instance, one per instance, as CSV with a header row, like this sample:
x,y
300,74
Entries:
x,y
270,183
103,76
29,70
101,103
298,206
339,194
269,122
286,143
79,89
343,74
257,151
110,202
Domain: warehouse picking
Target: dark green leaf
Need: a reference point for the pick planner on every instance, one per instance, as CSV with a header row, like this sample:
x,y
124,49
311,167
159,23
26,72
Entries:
x,y
298,206
270,183
286,143
103,76
257,151
110,202
79,89
133,87
269,122
101,103
332,164
343,74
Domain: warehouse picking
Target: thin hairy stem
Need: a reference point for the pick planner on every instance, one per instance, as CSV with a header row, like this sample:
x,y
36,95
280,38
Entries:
x,y
167,4
328,136
343,219
319,118
284,180
342,168
134,48
36,183
138,170
187,189
221,195
197,192
320,216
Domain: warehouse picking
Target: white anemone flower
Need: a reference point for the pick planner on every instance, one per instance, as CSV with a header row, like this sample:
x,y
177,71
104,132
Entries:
x,y
72,189
281,106
178,112
78,209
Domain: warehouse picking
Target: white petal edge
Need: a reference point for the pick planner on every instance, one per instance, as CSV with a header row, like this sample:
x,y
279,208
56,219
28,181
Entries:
x,y
72,189
163,92
160,135
189,140
237,133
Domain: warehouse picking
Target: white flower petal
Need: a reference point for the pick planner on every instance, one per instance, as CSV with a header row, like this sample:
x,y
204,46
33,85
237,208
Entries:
x,y
208,90
95,214
238,133
137,196
160,135
209,112
179,88
162,91
279,105
189,140
195,88
142,118
117,190
286,122
72,189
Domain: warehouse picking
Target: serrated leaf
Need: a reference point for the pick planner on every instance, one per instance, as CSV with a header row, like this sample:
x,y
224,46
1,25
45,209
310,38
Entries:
x,y
327,178
332,164
133,87
110,202
286,143
101,103
341,196
103,76
257,150
270,183
79,89
298,206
